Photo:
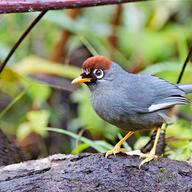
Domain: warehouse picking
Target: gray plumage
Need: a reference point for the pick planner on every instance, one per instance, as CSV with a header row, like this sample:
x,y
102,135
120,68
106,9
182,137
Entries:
x,y
186,88
135,101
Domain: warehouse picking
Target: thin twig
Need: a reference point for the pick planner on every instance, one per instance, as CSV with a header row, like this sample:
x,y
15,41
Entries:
x,y
26,32
188,58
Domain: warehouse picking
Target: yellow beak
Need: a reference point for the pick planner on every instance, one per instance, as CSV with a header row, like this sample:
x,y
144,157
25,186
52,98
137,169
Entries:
x,y
79,80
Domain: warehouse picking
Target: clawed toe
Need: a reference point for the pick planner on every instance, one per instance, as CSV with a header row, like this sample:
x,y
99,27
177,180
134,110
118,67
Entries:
x,y
148,157
114,151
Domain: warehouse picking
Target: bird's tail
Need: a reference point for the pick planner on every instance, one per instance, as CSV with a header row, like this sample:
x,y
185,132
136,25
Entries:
x,y
187,88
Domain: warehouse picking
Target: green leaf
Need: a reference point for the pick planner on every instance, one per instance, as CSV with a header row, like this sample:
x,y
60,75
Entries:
x,y
10,82
141,142
180,129
104,144
183,152
39,93
89,142
81,147
38,121
23,130
37,65
18,97
8,75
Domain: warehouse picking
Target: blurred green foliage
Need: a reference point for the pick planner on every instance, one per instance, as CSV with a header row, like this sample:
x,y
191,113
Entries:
x,y
152,37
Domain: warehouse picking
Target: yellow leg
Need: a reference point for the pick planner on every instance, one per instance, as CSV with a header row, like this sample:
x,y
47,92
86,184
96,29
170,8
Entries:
x,y
117,148
151,155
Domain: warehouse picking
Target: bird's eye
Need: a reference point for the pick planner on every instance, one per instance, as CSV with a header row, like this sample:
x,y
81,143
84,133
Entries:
x,y
98,73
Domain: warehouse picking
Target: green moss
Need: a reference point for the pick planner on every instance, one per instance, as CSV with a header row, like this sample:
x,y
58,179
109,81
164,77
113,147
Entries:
x,y
170,177
162,169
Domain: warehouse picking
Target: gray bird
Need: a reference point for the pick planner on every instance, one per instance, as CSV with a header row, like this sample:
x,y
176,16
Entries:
x,y
132,102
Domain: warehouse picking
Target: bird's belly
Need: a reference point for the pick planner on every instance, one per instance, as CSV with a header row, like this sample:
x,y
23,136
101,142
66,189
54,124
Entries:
x,y
127,120
138,122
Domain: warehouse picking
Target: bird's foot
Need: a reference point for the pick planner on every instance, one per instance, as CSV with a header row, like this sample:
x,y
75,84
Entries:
x,y
148,157
115,150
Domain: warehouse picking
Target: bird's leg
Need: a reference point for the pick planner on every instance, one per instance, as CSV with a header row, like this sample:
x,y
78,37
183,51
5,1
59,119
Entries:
x,y
117,148
151,155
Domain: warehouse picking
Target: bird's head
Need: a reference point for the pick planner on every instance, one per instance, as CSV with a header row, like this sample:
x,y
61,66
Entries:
x,y
94,70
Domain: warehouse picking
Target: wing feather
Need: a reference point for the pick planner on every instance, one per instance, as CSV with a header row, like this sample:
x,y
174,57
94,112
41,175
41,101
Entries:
x,y
157,94
167,102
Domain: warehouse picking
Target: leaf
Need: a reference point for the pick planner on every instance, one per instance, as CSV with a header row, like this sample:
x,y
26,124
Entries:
x,y
39,93
89,142
183,152
169,71
37,65
19,96
38,121
104,144
10,82
180,129
80,148
9,76
23,130
141,142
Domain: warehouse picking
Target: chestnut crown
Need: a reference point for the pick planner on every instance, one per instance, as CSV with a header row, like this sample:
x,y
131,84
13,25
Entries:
x,y
94,67
97,62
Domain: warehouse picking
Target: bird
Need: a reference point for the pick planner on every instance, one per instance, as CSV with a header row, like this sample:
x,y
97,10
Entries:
x,y
132,102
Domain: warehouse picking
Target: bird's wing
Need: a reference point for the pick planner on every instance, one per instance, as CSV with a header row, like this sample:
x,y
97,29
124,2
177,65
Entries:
x,y
156,94
167,102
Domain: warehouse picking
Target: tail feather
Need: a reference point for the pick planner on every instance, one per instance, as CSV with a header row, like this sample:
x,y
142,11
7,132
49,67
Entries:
x,y
187,88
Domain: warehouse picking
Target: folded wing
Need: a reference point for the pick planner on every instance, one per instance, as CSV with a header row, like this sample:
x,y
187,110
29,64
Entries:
x,y
158,94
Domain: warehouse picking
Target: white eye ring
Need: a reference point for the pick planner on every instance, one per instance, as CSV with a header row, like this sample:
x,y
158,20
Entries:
x,y
98,73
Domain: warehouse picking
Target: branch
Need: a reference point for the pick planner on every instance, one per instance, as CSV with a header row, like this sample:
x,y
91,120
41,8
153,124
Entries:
x,y
12,6
93,172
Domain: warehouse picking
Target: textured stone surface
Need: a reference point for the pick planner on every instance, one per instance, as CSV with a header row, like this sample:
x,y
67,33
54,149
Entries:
x,y
93,172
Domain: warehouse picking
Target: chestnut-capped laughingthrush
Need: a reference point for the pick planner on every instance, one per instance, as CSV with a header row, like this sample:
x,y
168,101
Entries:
x,y
132,102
